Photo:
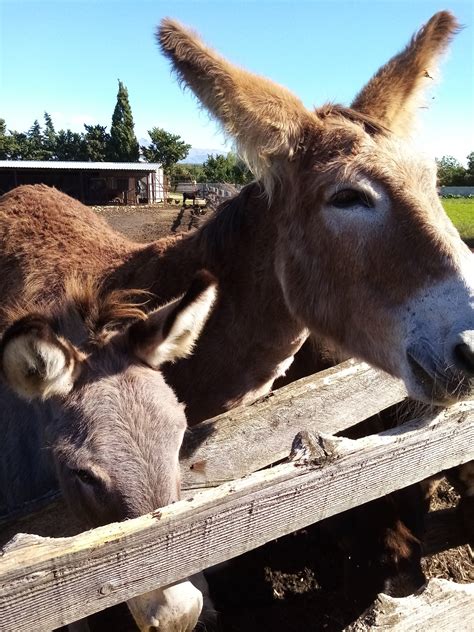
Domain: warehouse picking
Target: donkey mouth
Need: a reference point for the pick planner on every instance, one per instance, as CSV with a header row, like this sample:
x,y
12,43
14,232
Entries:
x,y
439,387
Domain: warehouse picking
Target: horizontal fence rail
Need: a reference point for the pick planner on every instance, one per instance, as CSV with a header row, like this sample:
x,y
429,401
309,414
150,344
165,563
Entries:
x,y
249,438
46,583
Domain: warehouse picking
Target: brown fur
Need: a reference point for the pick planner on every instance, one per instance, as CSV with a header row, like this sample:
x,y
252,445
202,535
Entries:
x,y
267,256
392,93
288,259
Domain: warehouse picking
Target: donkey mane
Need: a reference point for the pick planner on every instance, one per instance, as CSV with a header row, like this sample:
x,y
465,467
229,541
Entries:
x,y
104,310
223,231
372,126
86,307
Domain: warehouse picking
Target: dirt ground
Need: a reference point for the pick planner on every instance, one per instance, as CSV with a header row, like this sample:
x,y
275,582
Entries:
x,y
294,584
147,223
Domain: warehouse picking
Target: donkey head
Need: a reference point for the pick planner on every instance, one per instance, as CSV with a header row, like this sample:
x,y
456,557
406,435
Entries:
x,y
114,426
365,254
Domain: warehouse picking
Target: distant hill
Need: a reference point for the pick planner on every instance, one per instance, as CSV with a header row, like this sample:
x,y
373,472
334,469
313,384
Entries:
x,y
198,155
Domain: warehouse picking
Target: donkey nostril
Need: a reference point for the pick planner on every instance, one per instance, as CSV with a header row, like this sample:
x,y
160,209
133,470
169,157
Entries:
x,y
464,358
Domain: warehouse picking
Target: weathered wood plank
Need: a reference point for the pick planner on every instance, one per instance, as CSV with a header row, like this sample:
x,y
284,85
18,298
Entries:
x,y
249,438
442,606
45,583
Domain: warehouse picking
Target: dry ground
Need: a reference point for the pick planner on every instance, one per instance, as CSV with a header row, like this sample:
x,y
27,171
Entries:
x,y
147,223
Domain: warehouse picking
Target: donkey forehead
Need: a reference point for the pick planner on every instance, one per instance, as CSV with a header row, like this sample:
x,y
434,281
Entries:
x,y
396,160
131,420
348,153
133,398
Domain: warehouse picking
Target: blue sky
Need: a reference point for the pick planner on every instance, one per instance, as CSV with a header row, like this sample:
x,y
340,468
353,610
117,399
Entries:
x,y
65,56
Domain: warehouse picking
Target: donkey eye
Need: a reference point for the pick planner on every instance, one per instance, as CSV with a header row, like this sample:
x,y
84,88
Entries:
x,y
351,197
85,477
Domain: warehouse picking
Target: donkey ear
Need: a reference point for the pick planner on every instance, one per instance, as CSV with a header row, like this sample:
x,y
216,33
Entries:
x,y
170,332
35,362
266,120
394,93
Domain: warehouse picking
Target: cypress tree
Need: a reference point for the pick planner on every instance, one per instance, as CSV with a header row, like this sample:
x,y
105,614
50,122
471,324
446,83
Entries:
x,y
123,143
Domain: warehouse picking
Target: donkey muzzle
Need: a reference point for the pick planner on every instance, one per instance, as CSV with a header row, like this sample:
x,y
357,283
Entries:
x,y
463,352
173,608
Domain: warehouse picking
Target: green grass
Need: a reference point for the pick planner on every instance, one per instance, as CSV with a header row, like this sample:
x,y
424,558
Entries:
x,y
461,212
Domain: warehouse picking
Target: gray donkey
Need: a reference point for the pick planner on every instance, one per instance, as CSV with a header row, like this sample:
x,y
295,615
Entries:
x,y
114,427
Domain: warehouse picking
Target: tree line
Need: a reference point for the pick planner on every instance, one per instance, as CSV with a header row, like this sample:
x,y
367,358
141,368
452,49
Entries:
x,y
451,173
97,144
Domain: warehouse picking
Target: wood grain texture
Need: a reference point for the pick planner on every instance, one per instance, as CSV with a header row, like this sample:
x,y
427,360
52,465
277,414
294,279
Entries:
x,y
442,606
249,438
45,583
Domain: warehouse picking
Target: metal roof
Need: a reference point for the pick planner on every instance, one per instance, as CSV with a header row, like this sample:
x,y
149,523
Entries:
x,y
69,164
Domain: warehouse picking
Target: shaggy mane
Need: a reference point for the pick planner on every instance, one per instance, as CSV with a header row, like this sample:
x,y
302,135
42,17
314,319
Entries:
x,y
371,125
219,235
85,305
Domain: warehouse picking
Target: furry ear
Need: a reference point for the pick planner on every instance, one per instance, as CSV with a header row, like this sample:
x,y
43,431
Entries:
x,y
35,362
170,332
394,93
266,120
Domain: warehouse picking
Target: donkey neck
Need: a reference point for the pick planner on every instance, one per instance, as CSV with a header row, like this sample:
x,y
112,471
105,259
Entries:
x,y
251,337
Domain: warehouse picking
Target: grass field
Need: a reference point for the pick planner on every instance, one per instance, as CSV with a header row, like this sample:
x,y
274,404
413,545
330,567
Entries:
x,y
461,212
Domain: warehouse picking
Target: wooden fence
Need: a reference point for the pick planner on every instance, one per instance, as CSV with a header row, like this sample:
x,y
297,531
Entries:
x,y
234,502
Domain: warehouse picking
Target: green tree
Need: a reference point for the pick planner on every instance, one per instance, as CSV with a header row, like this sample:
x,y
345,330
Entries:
x,y
196,172
19,148
97,142
470,169
165,148
22,145
70,146
49,138
123,146
217,168
450,172
34,147
186,173
240,170
8,147
230,168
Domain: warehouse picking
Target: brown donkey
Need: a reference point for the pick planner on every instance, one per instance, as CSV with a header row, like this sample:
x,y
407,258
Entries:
x,y
343,236
112,424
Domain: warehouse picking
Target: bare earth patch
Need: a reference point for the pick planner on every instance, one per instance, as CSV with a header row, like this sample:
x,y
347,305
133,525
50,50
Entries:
x,y
150,222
